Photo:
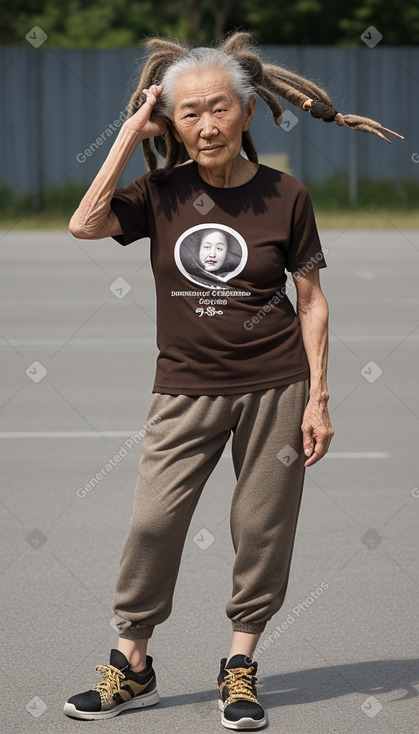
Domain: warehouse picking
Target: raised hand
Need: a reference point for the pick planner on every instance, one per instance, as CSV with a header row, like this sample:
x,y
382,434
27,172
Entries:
x,y
144,120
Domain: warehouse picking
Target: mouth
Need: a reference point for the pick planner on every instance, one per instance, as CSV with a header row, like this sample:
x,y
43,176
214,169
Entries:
x,y
210,262
211,148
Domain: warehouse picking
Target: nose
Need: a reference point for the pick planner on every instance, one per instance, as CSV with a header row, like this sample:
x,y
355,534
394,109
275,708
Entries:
x,y
208,127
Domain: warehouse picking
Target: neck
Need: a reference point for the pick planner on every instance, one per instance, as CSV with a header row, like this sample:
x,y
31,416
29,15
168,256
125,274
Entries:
x,y
238,171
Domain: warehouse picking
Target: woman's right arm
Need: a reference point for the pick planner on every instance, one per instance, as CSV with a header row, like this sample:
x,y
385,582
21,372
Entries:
x,y
94,218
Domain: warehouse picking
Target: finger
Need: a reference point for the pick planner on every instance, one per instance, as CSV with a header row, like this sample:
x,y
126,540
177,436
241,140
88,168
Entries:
x,y
314,458
320,449
308,447
143,107
318,453
308,442
152,93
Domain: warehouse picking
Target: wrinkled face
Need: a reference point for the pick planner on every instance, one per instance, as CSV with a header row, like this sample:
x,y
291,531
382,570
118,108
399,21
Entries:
x,y
213,250
208,117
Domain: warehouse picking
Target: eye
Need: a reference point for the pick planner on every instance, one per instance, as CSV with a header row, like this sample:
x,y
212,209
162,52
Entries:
x,y
220,109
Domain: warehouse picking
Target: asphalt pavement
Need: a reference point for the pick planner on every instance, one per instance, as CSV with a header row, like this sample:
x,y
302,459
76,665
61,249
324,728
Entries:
x,y
78,351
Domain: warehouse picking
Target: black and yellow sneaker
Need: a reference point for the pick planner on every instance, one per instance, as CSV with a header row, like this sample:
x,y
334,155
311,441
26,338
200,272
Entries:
x,y
238,704
120,689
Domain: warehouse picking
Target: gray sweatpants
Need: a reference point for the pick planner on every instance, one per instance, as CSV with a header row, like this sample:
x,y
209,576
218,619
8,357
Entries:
x,y
179,454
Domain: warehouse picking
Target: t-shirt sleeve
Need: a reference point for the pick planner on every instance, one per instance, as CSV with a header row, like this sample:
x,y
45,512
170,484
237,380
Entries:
x,y
304,248
130,206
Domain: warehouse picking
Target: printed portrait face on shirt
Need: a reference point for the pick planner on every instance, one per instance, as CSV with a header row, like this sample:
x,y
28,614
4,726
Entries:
x,y
210,254
213,250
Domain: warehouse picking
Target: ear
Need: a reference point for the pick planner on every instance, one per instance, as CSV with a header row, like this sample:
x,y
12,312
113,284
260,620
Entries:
x,y
249,111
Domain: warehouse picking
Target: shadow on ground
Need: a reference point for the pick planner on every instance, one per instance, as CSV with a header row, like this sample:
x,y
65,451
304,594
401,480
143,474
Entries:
x,y
306,687
322,684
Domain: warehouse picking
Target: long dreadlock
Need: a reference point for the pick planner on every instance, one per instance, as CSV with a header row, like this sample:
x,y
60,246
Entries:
x,y
268,81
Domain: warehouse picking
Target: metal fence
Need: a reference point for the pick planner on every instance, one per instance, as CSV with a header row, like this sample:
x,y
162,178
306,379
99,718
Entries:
x,y
62,110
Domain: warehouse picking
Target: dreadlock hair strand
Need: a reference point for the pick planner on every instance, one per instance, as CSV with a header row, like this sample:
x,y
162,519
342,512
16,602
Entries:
x,y
248,147
236,55
366,125
298,83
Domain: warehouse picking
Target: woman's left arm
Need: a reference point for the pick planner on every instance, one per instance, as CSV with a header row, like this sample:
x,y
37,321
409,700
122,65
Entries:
x,y
313,312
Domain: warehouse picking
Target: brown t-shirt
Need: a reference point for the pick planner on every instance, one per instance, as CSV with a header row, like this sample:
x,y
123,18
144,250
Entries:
x,y
225,325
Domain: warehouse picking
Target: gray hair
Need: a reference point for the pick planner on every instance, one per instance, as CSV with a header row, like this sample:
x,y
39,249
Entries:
x,y
202,59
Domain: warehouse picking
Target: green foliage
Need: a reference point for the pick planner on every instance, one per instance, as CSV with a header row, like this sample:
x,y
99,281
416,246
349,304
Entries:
x,y
55,201
115,23
397,21
63,200
13,204
333,194
330,196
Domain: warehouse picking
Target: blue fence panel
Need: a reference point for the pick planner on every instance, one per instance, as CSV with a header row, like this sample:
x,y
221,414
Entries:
x,y
62,109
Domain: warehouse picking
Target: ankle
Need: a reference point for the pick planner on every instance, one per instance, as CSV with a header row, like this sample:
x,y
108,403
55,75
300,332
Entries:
x,y
138,668
137,662
135,652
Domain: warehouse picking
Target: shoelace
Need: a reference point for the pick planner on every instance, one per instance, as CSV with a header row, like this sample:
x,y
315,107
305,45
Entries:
x,y
110,683
239,682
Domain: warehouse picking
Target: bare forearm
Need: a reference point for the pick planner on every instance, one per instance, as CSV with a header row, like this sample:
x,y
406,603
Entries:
x,y
313,311
94,217
314,326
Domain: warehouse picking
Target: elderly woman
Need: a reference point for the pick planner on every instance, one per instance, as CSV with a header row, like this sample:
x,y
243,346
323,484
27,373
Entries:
x,y
253,368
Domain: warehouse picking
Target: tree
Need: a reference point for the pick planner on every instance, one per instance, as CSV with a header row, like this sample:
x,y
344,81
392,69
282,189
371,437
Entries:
x,y
114,23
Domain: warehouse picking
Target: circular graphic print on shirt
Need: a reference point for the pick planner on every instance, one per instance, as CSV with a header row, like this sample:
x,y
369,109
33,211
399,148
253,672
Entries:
x,y
210,254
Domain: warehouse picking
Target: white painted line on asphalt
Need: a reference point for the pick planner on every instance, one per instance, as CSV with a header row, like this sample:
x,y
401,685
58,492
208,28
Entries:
x,y
147,341
364,301
127,434
357,455
342,455
374,338
78,342
70,302
68,434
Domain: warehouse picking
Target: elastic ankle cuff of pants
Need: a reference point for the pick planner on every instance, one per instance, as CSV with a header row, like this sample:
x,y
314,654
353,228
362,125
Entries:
x,y
137,633
252,628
